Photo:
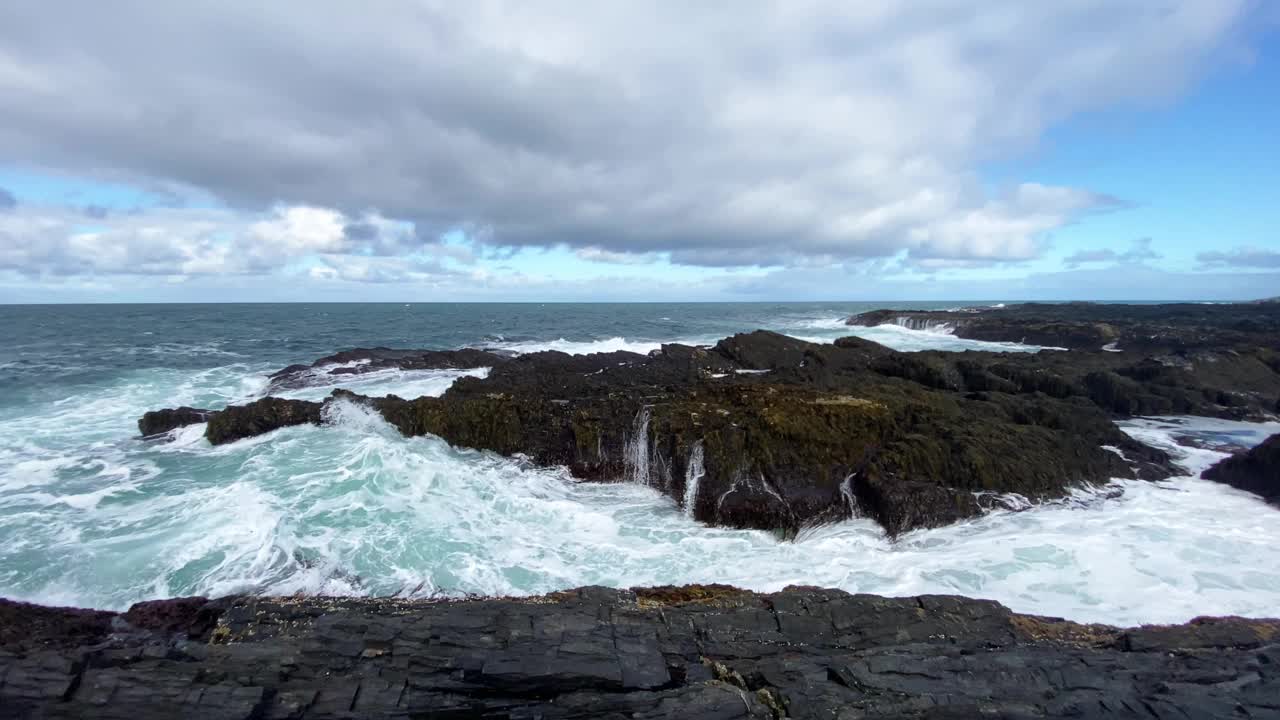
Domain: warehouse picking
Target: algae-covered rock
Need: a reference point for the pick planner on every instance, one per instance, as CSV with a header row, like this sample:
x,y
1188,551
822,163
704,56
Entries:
x,y
158,422
262,416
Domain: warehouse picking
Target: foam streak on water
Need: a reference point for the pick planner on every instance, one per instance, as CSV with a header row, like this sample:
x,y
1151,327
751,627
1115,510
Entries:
x,y
91,516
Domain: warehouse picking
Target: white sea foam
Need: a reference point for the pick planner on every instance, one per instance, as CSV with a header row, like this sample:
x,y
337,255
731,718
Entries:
x,y
911,340
899,336
391,381
1196,443
835,324
582,347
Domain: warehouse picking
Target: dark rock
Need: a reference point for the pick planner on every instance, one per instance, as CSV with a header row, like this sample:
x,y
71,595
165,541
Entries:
x,y
25,627
261,416
700,651
192,615
1257,470
779,427
157,422
900,505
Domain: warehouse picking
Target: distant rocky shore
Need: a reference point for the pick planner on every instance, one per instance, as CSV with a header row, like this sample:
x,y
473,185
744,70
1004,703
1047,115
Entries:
x,y
692,652
766,431
1171,330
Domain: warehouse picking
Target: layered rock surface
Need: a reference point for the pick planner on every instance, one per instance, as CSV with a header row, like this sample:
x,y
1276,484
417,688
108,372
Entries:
x,y
776,433
695,652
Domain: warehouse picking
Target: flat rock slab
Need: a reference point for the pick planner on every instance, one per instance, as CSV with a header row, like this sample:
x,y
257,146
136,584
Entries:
x,y
693,652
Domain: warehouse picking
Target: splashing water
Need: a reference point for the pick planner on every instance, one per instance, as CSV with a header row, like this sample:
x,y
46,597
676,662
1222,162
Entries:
x,y
693,475
636,450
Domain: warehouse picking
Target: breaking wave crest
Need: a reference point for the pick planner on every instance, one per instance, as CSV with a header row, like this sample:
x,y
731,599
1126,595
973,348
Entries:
x,y
584,347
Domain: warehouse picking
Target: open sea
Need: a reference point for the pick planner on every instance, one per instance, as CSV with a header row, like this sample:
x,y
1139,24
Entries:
x,y
90,515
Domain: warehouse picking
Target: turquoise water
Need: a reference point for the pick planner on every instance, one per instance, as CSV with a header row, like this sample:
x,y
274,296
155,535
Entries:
x,y
91,515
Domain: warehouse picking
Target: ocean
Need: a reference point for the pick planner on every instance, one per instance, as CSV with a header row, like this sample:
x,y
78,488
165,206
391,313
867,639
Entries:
x,y
91,515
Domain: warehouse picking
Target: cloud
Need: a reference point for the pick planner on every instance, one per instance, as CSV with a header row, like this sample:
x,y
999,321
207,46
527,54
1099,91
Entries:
x,y
752,134
1139,252
1115,283
52,243
7,200
600,255
365,269
1091,256
1241,257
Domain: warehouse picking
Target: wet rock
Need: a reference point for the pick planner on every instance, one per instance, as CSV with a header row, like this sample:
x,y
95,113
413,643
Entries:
x,y
261,416
1257,470
900,505
700,651
192,615
158,422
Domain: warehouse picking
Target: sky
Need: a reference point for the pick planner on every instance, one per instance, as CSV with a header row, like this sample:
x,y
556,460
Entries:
x,y
417,150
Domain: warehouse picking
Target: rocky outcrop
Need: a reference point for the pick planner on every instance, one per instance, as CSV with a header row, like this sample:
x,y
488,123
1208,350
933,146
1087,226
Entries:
x,y
777,433
1213,360
159,422
1257,470
259,417
332,368
694,652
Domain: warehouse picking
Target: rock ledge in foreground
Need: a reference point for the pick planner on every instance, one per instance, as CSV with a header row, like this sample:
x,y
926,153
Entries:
x,y
697,651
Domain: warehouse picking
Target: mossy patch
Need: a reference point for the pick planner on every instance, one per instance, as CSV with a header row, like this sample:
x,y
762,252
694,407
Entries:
x,y
1029,628
668,595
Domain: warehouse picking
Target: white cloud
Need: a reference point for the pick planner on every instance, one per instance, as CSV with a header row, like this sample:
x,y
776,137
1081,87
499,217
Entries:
x,y
52,242
300,231
754,133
